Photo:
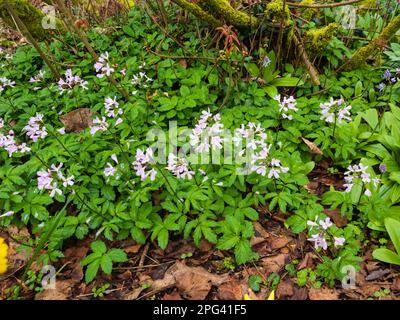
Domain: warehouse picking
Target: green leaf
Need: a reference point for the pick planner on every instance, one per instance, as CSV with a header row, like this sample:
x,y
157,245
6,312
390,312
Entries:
x,y
250,213
271,91
229,199
386,255
393,228
90,258
286,82
117,255
138,235
162,238
228,241
253,69
254,282
91,271
243,252
106,264
98,247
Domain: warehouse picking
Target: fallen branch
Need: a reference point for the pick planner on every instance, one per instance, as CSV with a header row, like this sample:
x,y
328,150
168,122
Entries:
x,y
321,6
310,68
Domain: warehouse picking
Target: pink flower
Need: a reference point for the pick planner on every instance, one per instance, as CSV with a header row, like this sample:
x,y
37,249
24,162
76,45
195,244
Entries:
x,y
34,128
339,241
99,125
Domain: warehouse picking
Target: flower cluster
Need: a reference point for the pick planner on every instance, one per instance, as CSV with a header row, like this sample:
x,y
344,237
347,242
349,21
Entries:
x,y
36,79
99,125
179,167
141,164
207,133
4,82
358,173
258,150
141,79
286,105
34,129
110,170
335,110
389,77
320,238
70,82
49,180
7,142
103,67
112,109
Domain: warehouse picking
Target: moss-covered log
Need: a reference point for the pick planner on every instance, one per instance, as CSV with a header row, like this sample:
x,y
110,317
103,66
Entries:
x,y
222,10
198,12
360,57
30,15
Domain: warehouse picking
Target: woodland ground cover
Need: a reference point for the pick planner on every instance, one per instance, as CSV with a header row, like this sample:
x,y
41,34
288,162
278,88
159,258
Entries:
x,y
146,147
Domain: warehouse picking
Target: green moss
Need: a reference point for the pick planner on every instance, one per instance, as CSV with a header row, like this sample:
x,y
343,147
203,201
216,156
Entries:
x,y
316,40
30,16
223,10
276,12
360,57
198,12
308,13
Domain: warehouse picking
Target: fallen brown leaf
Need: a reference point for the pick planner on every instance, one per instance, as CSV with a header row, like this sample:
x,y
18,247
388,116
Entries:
x,y
285,289
274,263
231,290
61,292
77,120
193,283
312,146
323,294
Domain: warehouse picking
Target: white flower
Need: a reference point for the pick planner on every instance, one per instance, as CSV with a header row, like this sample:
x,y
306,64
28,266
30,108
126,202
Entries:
x,y
141,164
103,67
286,106
319,241
179,167
339,241
7,214
99,125
70,82
109,170
61,131
325,224
333,108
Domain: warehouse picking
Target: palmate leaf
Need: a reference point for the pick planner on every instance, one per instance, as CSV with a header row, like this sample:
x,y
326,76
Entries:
x,y
243,252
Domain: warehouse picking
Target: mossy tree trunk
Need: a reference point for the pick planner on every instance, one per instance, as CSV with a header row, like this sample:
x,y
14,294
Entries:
x,y
31,16
360,57
218,13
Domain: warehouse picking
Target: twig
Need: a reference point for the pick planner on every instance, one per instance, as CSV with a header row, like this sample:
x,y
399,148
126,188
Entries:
x,y
143,256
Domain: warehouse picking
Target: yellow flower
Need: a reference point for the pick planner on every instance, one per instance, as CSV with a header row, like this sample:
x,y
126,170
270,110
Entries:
x,y
271,295
3,256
